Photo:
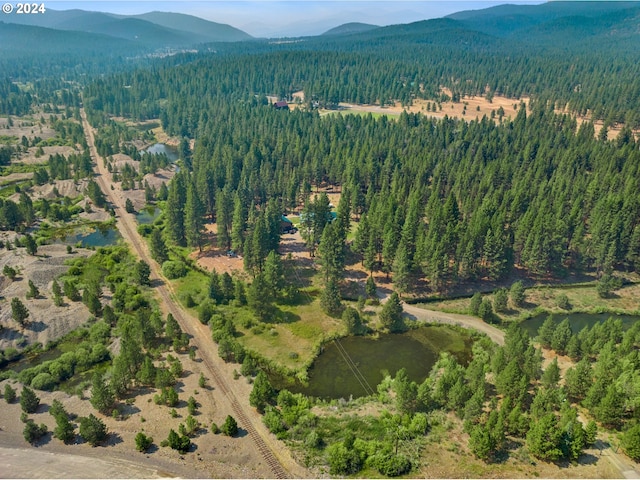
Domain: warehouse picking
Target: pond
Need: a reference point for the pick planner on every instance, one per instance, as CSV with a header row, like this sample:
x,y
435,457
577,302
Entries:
x,y
354,366
148,215
170,152
578,321
94,237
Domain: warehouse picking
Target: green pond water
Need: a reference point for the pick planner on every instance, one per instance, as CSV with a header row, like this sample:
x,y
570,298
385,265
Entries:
x,y
95,237
148,215
333,372
578,321
170,152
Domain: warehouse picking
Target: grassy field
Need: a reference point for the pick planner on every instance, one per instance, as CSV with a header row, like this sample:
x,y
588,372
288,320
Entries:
x,y
582,298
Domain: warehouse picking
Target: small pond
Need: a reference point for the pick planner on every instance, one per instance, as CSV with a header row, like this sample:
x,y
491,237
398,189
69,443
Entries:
x,y
170,152
333,374
578,321
94,237
148,215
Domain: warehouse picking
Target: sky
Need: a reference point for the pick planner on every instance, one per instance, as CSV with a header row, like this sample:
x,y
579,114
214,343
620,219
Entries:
x,y
289,18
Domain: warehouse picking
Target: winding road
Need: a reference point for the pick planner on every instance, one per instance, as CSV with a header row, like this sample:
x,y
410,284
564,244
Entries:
x,y
275,455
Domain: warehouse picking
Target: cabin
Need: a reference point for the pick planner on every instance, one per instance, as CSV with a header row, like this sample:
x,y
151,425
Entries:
x,y
286,226
281,105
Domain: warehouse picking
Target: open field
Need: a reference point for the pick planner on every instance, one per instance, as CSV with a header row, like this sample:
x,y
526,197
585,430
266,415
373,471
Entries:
x,y
581,299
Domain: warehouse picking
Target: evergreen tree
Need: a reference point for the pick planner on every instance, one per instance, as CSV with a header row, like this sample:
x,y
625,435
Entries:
x,y
546,332
101,395
500,300
544,438
476,301
517,294
93,430
370,287
142,272
561,337
391,314
551,375
29,401
274,274
262,393
174,211
33,292
330,299
193,217
229,427
30,244
331,252
352,321
19,312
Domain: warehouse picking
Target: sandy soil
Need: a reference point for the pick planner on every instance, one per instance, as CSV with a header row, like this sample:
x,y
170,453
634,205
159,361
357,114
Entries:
x,y
212,456
46,321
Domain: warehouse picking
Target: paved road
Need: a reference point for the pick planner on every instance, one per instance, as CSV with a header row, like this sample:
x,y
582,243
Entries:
x,y
273,453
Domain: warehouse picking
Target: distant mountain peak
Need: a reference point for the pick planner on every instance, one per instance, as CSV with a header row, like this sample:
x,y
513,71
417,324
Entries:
x,y
349,28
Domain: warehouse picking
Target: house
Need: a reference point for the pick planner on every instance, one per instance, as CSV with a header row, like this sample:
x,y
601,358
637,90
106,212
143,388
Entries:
x,y
281,105
286,226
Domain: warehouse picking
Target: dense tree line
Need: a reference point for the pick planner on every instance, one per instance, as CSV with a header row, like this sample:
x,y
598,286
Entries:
x,y
453,200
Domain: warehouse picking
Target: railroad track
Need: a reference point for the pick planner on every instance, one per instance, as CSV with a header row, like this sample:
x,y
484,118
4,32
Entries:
x,y
190,327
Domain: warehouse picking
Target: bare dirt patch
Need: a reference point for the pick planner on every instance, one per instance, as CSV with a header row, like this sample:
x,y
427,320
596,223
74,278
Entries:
x,y
211,456
46,322
215,258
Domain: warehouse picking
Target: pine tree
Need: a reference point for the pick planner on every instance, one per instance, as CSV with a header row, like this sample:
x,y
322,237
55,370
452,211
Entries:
x,y
101,395
517,294
391,314
19,312
330,299
28,400
157,247
262,393
476,301
33,292
546,332
274,274
174,211
370,287
93,430
193,217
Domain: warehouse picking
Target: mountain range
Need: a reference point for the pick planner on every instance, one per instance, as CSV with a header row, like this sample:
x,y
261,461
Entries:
x,y
552,24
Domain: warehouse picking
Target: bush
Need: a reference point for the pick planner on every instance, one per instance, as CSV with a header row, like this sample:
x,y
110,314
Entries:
x,y
392,465
143,442
562,301
174,269
43,381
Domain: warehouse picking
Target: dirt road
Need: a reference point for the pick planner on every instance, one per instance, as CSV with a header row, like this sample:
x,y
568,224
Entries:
x,y
274,453
464,321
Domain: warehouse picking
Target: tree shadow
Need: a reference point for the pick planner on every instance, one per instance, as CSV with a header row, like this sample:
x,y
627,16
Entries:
x,y
43,440
37,326
241,433
113,439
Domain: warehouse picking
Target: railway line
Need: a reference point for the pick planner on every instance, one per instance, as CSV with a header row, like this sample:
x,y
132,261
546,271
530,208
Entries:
x,y
200,334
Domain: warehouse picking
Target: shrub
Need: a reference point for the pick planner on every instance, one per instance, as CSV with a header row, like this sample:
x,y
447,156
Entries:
x,y
43,381
562,301
392,465
143,442
174,269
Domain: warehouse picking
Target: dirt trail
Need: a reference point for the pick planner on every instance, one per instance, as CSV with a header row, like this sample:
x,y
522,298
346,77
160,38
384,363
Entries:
x,y
464,321
274,454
